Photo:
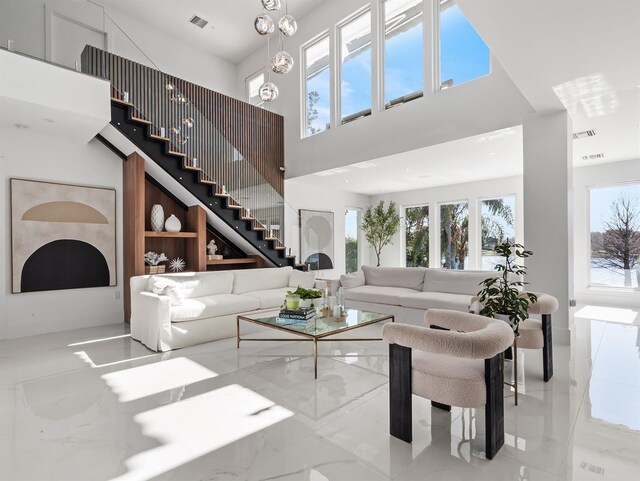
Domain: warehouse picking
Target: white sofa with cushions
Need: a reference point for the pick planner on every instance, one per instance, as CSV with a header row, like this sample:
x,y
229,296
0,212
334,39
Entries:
x,y
407,292
170,311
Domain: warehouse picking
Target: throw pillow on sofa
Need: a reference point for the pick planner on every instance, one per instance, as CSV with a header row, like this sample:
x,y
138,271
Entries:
x,y
355,279
176,290
302,279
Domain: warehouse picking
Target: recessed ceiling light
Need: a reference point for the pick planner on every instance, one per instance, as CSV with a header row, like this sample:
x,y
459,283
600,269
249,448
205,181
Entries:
x,y
407,170
22,126
346,181
492,153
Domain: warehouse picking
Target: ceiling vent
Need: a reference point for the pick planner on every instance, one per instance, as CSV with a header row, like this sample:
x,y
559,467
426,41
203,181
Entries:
x,y
584,134
198,22
593,157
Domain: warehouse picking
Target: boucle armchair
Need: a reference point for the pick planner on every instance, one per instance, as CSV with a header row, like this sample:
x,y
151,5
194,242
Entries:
x,y
459,361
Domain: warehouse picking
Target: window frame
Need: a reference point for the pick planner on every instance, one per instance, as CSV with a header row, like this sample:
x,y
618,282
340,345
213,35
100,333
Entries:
x,y
478,223
325,34
439,204
340,119
403,231
359,237
382,35
587,259
247,81
437,57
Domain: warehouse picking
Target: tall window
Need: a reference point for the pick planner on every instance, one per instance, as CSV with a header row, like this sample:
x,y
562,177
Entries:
x,y
355,57
498,226
416,224
351,235
403,78
252,86
454,235
463,54
317,93
615,235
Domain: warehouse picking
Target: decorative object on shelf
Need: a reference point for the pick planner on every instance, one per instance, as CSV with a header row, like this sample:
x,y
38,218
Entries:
x,y
288,25
226,251
380,225
157,218
62,236
264,25
153,259
282,62
177,265
172,224
212,248
215,257
502,297
316,239
271,5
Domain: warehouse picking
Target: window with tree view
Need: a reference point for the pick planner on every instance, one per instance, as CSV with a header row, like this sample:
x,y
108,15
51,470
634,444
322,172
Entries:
x,y
497,217
402,50
355,55
463,54
317,90
416,224
351,230
454,235
615,235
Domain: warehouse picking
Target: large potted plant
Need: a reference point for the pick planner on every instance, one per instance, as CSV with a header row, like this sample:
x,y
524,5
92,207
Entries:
x,y
502,297
379,225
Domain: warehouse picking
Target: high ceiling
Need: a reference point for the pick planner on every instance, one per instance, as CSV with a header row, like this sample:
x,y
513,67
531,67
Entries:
x,y
229,33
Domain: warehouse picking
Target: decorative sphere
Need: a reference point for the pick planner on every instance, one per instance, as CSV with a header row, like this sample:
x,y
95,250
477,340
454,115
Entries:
x,y
268,92
288,25
271,5
282,62
263,24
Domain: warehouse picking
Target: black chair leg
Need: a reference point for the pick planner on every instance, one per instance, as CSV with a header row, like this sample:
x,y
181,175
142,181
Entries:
x,y
400,392
494,409
547,350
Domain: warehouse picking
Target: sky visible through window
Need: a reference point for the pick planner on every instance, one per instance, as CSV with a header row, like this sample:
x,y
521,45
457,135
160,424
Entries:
x,y
463,54
318,91
356,65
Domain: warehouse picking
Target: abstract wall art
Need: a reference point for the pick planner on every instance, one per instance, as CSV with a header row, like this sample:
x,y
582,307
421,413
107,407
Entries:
x,y
62,236
316,239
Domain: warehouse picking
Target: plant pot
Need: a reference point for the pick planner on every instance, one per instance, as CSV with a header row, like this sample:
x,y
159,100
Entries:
x,y
306,303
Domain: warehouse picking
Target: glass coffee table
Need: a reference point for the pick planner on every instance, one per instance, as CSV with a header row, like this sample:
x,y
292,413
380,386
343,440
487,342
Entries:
x,y
316,329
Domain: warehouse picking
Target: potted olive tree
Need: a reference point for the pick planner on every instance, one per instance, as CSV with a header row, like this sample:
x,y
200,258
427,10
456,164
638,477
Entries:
x,y
501,297
379,225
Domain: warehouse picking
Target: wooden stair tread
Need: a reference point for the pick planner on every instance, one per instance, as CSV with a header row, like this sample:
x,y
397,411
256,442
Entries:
x,y
241,260
180,154
233,206
114,99
158,137
142,121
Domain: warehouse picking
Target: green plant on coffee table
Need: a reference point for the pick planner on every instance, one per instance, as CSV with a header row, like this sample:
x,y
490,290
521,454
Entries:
x,y
500,295
306,294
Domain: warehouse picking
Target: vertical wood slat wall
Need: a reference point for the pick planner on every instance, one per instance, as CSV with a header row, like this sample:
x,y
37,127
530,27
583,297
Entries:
x,y
223,126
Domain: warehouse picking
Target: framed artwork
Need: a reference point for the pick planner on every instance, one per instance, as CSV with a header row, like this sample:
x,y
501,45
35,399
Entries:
x,y
62,236
316,239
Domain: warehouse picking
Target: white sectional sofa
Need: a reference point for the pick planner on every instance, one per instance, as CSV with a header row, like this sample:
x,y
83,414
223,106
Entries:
x,y
171,311
407,292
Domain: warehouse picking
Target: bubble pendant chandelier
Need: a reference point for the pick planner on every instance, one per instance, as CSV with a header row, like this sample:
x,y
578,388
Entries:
x,y
282,62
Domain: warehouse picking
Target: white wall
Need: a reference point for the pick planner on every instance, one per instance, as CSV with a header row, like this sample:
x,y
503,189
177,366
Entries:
x,y
30,155
24,21
583,179
393,254
303,194
485,104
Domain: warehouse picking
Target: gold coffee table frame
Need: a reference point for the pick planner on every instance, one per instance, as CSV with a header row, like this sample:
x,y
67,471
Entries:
x,y
308,336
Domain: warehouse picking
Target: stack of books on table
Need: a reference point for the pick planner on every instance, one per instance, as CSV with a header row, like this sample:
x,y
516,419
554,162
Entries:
x,y
291,316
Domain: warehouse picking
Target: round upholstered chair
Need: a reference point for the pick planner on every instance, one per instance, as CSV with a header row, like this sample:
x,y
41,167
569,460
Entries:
x,y
536,333
457,361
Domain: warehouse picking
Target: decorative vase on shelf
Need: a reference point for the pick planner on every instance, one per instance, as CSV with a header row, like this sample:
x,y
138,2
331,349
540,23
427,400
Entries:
x,y
172,224
157,218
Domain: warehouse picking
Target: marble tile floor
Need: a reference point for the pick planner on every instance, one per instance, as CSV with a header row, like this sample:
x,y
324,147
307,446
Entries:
x,y
91,404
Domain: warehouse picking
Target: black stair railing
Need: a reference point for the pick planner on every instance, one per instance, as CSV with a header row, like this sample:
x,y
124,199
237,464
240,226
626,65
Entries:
x,y
198,123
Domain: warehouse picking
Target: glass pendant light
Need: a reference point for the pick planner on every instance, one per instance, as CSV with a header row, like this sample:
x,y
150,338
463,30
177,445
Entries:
x,y
282,62
263,24
268,92
288,25
271,5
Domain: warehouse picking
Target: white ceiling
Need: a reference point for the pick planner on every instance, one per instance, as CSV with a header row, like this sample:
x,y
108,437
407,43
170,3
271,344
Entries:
x,y
487,156
229,34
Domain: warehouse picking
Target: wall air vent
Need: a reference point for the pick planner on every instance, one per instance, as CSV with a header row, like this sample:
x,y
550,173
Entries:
x,y
584,134
593,157
198,22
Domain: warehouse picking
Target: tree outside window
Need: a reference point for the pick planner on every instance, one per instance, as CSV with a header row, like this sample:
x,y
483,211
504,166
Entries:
x,y
454,235
416,221
498,226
